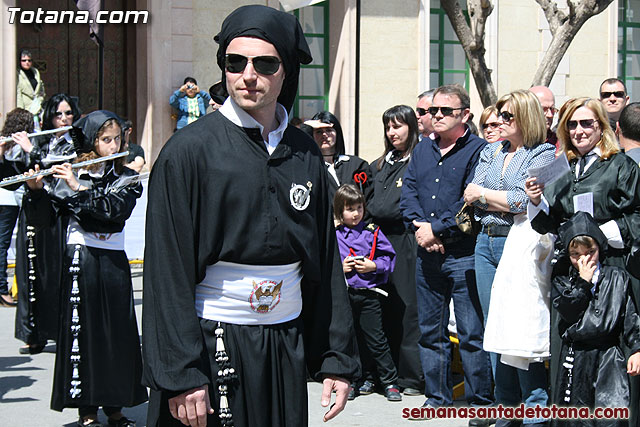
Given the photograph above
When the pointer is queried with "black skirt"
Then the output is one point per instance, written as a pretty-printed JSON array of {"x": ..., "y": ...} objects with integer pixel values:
[
  {"x": 45, "y": 308},
  {"x": 105, "y": 368},
  {"x": 270, "y": 388}
]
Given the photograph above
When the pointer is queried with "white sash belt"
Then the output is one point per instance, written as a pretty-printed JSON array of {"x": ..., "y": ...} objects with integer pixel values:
[
  {"x": 245, "y": 294},
  {"x": 77, "y": 236}
]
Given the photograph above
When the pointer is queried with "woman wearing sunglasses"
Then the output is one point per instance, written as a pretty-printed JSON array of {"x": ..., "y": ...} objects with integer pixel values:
[
  {"x": 600, "y": 174},
  {"x": 30, "y": 88},
  {"x": 497, "y": 193},
  {"x": 342, "y": 168},
  {"x": 490, "y": 125},
  {"x": 38, "y": 292}
]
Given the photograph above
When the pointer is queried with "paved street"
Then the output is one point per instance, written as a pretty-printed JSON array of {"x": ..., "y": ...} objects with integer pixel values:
[{"x": 25, "y": 390}]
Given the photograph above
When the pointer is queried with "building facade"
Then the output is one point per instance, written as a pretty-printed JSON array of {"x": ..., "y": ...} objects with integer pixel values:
[{"x": 368, "y": 56}]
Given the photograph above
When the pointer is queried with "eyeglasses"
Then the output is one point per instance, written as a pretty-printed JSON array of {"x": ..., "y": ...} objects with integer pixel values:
[
  {"x": 493, "y": 125},
  {"x": 584, "y": 124},
  {"x": 617, "y": 94},
  {"x": 422, "y": 111},
  {"x": 266, "y": 65},
  {"x": 25, "y": 60},
  {"x": 505, "y": 116},
  {"x": 66, "y": 113},
  {"x": 551, "y": 110},
  {"x": 446, "y": 111}
]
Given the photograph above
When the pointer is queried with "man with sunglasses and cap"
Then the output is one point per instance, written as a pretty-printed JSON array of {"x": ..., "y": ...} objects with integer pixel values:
[
  {"x": 613, "y": 95},
  {"x": 440, "y": 169},
  {"x": 244, "y": 291}
]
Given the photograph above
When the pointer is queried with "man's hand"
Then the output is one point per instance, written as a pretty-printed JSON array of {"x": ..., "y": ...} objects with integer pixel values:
[
  {"x": 192, "y": 407},
  {"x": 633, "y": 365},
  {"x": 341, "y": 387},
  {"x": 426, "y": 238}
]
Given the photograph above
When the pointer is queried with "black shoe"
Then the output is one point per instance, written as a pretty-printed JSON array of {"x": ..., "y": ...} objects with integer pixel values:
[
  {"x": 122, "y": 422},
  {"x": 32, "y": 348},
  {"x": 423, "y": 413},
  {"x": 392, "y": 393},
  {"x": 94, "y": 423},
  {"x": 410, "y": 391},
  {"x": 353, "y": 392},
  {"x": 367, "y": 387}
]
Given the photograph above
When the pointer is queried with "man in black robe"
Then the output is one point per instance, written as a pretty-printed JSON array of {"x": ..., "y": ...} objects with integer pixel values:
[{"x": 243, "y": 285}]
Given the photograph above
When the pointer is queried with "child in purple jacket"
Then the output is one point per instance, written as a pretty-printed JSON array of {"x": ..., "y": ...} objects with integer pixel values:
[{"x": 368, "y": 258}]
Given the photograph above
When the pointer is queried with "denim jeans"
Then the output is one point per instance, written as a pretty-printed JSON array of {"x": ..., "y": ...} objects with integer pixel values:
[
  {"x": 512, "y": 385},
  {"x": 8, "y": 217},
  {"x": 440, "y": 277}
]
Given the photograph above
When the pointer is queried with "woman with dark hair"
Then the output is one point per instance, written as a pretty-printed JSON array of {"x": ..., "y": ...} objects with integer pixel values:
[
  {"x": 98, "y": 359},
  {"x": 400, "y": 314},
  {"x": 190, "y": 102},
  {"x": 39, "y": 252},
  {"x": 326, "y": 131}
]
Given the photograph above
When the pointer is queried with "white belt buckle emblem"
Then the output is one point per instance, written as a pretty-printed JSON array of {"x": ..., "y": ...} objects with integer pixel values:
[
  {"x": 265, "y": 296},
  {"x": 299, "y": 196}
]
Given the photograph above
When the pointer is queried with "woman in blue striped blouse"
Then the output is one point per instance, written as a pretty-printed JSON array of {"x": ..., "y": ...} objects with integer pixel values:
[{"x": 498, "y": 193}]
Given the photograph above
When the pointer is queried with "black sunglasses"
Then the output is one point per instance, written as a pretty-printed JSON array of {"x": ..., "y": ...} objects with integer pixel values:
[
  {"x": 617, "y": 94},
  {"x": 493, "y": 125},
  {"x": 421, "y": 111},
  {"x": 584, "y": 124},
  {"x": 266, "y": 65},
  {"x": 505, "y": 116},
  {"x": 446, "y": 111}
]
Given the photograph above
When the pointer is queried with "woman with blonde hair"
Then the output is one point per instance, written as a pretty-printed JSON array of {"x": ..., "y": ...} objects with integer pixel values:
[
  {"x": 489, "y": 124},
  {"x": 497, "y": 192},
  {"x": 602, "y": 180}
]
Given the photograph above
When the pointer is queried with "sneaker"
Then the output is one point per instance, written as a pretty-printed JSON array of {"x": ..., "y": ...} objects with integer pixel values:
[
  {"x": 392, "y": 393},
  {"x": 353, "y": 392},
  {"x": 367, "y": 387}
]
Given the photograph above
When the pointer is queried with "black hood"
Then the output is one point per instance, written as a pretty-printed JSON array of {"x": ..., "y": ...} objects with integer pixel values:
[
  {"x": 86, "y": 129},
  {"x": 582, "y": 224},
  {"x": 280, "y": 29}
]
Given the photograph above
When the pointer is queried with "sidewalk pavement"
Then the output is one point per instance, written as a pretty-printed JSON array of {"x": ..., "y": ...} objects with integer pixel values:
[{"x": 25, "y": 390}]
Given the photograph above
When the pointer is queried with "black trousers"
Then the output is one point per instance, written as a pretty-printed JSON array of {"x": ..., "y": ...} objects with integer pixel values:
[
  {"x": 367, "y": 319},
  {"x": 400, "y": 312}
]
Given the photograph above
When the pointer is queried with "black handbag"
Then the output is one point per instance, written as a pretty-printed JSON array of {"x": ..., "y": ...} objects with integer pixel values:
[{"x": 466, "y": 220}]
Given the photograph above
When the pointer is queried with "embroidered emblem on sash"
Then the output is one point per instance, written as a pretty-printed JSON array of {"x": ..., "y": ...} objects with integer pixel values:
[
  {"x": 265, "y": 296},
  {"x": 299, "y": 196}
]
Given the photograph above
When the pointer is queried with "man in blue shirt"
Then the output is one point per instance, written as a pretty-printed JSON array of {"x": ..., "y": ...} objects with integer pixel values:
[{"x": 432, "y": 191}]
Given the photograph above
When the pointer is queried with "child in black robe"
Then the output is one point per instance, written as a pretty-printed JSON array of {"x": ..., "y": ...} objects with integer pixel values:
[
  {"x": 98, "y": 359},
  {"x": 596, "y": 314}
]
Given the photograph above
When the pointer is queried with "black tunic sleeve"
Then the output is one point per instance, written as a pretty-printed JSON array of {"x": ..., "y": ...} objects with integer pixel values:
[
  {"x": 330, "y": 346},
  {"x": 38, "y": 209},
  {"x": 171, "y": 337},
  {"x": 570, "y": 297}
]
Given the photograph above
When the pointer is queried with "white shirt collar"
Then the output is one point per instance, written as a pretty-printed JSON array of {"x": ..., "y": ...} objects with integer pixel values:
[
  {"x": 239, "y": 117},
  {"x": 389, "y": 157}
]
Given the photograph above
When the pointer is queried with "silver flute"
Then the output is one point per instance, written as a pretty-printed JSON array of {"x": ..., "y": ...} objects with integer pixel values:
[
  {"x": 44, "y": 132},
  {"x": 22, "y": 178}
]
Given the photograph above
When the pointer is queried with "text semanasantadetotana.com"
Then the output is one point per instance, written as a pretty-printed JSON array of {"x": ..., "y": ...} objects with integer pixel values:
[
  {"x": 41, "y": 16},
  {"x": 518, "y": 412}
]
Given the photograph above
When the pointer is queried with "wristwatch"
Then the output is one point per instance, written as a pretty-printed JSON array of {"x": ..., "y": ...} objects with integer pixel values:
[{"x": 483, "y": 199}]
